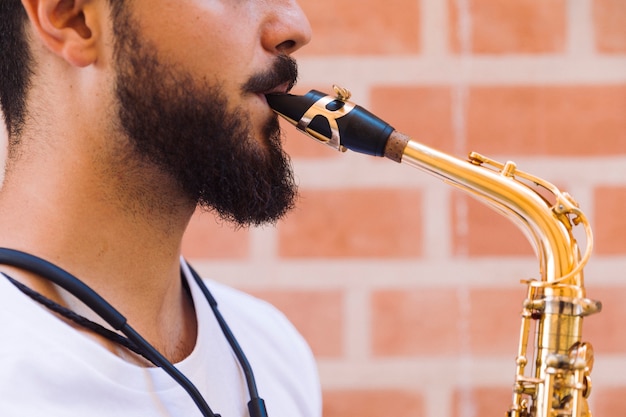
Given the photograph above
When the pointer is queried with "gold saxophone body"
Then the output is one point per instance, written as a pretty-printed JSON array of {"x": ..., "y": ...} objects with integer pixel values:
[{"x": 559, "y": 382}]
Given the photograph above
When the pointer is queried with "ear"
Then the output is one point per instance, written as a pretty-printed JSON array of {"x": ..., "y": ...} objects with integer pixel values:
[{"x": 66, "y": 27}]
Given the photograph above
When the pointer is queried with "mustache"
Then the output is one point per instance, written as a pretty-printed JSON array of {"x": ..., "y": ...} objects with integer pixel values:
[{"x": 283, "y": 71}]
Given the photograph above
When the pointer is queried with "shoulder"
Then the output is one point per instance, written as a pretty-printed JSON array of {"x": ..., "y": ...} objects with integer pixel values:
[
  {"x": 252, "y": 313},
  {"x": 282, "y": 360},
  {"x": 254, "y": 319}
]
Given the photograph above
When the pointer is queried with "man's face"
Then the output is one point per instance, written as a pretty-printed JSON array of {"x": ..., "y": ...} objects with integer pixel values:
[{"x": 198, "y": 111}]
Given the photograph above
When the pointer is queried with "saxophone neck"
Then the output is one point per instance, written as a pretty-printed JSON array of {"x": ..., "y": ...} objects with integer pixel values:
[
  {"x": 556, "y": 304},
  {"x": 336, "y": 122}
]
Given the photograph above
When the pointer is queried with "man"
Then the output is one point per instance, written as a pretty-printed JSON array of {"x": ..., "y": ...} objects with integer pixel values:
[{"x": 123, "y": 117}]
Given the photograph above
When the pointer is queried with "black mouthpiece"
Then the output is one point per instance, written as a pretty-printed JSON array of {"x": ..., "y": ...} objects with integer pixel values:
[{"x": 332, "y": 120}]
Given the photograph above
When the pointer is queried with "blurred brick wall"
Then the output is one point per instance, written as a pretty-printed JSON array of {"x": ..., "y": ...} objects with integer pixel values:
[{"x": 408, "y": 291}]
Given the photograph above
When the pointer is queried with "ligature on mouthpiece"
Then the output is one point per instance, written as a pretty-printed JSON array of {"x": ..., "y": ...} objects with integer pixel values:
[{"x": 334, "y": 121}]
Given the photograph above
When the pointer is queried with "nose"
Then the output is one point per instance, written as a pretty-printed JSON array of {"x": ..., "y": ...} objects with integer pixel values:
[{"x": 287, "y": 28}]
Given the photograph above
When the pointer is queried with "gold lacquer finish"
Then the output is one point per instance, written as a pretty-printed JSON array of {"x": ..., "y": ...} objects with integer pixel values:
[{"x": 553, "y": 364}]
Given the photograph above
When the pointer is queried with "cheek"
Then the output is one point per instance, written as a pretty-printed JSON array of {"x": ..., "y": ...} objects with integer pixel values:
[{"x": 208, "y": 36}]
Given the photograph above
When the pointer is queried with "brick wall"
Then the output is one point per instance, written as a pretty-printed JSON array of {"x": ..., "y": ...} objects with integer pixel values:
[{"x": 407, "y": 291}]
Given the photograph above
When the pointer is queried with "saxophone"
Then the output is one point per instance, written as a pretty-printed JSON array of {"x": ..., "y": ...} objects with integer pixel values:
[{"x": 559, "y": 382}]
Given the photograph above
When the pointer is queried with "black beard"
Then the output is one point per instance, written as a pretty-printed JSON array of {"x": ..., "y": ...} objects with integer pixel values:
[{"x": 184, "y": 127}]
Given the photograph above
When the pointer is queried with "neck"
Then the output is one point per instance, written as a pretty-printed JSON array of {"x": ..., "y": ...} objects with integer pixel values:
[{"x": 111, "y": 228}]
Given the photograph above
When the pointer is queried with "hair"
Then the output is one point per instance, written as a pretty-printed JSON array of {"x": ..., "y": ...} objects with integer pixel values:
[{"x": 17, "y": 64}]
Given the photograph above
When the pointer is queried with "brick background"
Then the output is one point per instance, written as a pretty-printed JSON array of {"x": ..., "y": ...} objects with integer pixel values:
[
  {"x": 481, "y": 401},
  {"x": 347, "y": 27},
  {"x": 514, "y": 26},
  {"x": 406, "y": 288},
  {"x": 360, "y": 226},
  {"x": 609, "y": 21},
  {"x": 610, "y": 224},
  {"x": 398, "y": 403}
]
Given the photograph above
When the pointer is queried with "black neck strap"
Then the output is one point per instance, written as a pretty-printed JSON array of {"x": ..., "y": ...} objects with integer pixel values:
[{"x": 133, "y": 340}]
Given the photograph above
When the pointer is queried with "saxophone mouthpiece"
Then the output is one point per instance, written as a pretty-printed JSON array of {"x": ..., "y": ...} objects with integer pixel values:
[{"x": 334, "y": 121}]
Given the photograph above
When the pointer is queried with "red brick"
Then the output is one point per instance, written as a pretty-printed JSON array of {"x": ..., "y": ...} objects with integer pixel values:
[
  {"x": 427, "y": 321},
  {"x": 380, "y": 223},
  {"x": 550, "y": 120},
  {"x": 605, "y": 330},
  {"x": 363, "y": 27},
  {"x": 207, "y": 237},
  {"x": 609, "y": 18},
  {"x": 483, "y": 401},
  {"x": 608, "y": 401},
  {"x": 415, "y": 322},
  {"x": 318, "y": 316},
  {"x": 512, "y": 26},
  {"x": 373, "y": 403},
  {"x": 609, "y": 222},
  {"x": 424, "y": 113},
  {"x": 510, "y": 120},
  {"x": 495, "y": 319},
  {"x": 482, "y": 231}
]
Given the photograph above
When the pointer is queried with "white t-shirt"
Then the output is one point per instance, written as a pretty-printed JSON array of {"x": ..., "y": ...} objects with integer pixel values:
[{"x": 49, "y": 369}]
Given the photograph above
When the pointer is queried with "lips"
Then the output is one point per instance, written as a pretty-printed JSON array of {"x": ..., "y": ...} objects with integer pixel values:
[
  {"x": 283, "y": 88},
  {"x": 278, "y": 79},
  {"x": 279, "y": 89}
]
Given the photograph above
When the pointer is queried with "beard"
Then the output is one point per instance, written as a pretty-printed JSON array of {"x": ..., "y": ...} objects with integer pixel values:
[{"x": 184, "y": 127}]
